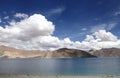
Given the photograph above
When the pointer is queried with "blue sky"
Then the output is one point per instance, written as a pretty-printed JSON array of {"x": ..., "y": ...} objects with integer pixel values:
[{"x": 72, "y": 18}]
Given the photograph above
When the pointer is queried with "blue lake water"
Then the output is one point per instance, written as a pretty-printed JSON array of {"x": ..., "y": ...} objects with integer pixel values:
[{"x": 71, "y": 66}]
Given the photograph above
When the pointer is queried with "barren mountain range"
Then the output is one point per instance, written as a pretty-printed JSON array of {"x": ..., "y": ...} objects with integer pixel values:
[
  {"x": 9, "y": 52},
  {"x": 107, "y": 52}
]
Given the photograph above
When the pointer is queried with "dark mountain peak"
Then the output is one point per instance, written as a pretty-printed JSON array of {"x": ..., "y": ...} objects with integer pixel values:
[
  {"x": 62, "y": 49},
  {"x": 73, "y": 53},
  {"x": 68, "y": 49}
]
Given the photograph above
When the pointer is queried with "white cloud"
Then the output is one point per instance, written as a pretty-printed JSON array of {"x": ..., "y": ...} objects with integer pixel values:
[
  {"x": 6, "y": 17},
  {"x": 26, "y": 30},
  {"x": 89, "y": 38},
  {"x": 98, "y": 27},
  {"x": 108, "y": 26},
  {"x": 35, "y": 32},
  {"x": 102, "y": 39},
  {"x": 116, "y": 13},
  {"x": 102, "y": 35},
  {"x": 84, "y": 29},
  {"x": 21, "y": 15},
  {"x": 54, "y": 11},
  {"x": 0, "y": 20}
]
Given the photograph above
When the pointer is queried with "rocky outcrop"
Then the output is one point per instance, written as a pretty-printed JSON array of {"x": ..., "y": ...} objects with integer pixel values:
[{"x": 108, "y": 52}]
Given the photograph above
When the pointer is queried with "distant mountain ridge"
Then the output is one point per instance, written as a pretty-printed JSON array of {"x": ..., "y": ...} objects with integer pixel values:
[
  {"x": 107, "y": 52},
  {"x": 9, "y": 52}
]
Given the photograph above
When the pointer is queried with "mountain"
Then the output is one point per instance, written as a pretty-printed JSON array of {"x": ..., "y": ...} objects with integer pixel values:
[
  {"x": 9, "y": 52},
  {"x": 74, "y": 53},
  {"x": 107, "y": 52}
]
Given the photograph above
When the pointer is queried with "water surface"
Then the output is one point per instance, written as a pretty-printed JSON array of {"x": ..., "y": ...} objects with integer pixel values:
[{"x": 67, "y": 66}]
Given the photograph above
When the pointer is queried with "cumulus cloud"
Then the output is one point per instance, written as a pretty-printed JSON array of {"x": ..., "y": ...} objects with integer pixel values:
[
  {"x": 36, "y": 26},
  {"x": 102, "y": 39},
  {"x": 36, "y": 32},
  {"x": 102, "y": 35},
  {"x": 21, "y": 15}
]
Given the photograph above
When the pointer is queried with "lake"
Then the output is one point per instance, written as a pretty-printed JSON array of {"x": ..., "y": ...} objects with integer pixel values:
[{"x": 65, "y": 66}]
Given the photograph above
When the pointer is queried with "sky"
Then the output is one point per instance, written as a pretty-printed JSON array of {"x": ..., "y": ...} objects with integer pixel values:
[{"x": 53, "y": 24}]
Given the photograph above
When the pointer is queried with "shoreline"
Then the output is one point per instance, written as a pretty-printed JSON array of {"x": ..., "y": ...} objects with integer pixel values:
[{"x": 54, "y": 76}]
